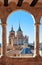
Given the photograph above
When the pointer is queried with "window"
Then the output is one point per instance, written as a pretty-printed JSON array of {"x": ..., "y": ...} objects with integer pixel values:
[
  {"x": 40, "y": 45},
  {"x": 20, "y": 35},
  {"x": 0, "y": 39}
]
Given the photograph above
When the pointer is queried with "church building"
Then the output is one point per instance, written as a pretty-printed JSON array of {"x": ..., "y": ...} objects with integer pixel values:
[
  {"x": 18, "y": 44},
  {"x": 18, "y": 38}
]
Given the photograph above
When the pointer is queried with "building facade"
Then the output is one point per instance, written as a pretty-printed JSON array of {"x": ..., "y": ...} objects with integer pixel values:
[{"x": 18, "y": 39}]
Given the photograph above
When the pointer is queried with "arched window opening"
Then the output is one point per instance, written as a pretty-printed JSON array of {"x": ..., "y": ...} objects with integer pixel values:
[
  {"x": 40, "y": 43},
  {"x": 0, "y": 39},
  {"x": 20, "y": 35}
]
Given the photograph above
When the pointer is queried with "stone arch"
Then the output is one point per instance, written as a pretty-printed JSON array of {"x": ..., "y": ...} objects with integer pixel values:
[
  {"x": 22, "y": 10},
  {"x": 7, "y": 11},
  {"x": 33, "y": 22},
  {"x": 12, "y": 7}
]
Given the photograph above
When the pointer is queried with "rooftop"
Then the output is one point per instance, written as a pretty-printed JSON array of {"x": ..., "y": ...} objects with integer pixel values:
[{"x": 26, "y": 51}]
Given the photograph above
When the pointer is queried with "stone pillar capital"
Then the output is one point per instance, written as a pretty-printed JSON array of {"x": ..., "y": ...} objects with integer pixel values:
[
  {"x": 3, "y": 24},
  {"x": 37, "y": 24},
  {"x": 4, "y": 20}
]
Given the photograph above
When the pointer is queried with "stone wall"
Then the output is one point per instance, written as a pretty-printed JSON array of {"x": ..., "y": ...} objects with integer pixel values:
[{"x": 4, "y": 13}]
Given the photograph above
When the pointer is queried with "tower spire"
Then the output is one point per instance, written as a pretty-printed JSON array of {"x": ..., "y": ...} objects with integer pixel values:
[
  {"x": 19, "y": 24},
  {"x": 19, "y": 29},
  {"x": 12, "y": 29}
]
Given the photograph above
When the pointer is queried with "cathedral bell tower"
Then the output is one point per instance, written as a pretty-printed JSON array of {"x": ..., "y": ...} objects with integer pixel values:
[
  {"x": 19, "y": 33},
  {"x": 19, "y": 36},
  {"x": 11, "y": 36}
]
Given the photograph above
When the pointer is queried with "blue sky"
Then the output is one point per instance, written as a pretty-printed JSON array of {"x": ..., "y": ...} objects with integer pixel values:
[
  {"x": 40, "y": 34},
  {"x": 26, "y": 23}
]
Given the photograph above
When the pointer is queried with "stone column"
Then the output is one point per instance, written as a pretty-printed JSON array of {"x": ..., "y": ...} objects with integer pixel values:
[
  {"x": 3, "y": 37},
  {"x": 37, "y": 24}
]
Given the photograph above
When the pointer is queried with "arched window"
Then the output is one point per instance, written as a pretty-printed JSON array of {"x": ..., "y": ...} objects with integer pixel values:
[
  {"x": 20, "y": 35},
  {"x": 0, "y": 39},
  {"x": 40, "y": 47}
]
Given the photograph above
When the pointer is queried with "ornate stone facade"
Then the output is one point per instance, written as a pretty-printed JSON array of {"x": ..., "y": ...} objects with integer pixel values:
[
  {"x": 17, "y": 39},
  {"x": 18, "y": 42}
]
